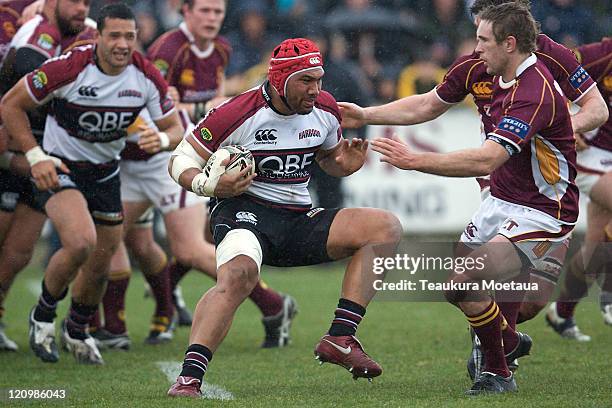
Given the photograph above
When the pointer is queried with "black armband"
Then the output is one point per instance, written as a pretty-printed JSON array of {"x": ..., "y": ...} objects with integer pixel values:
[{"x": 510, "y": 147}]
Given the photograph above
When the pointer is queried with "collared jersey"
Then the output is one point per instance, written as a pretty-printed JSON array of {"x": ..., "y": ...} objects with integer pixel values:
[
  {"x": 195, "y": 73},
  {"x": 284, "y": 146},
  {"x": 468, "y": 75},
  {"x": 597, "y": 60},
  {"x": 89, "y": 111},
  {"x": 533, "y": 121}
]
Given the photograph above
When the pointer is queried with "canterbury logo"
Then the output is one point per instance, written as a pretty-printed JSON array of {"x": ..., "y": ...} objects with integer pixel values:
[
  {"x": 89, "y": 91},
  {"x": 265, "y": 135},
  {"x": 314, "y": 60},
  {"x": 343, "y": 350},
  {"x": 482, "y": 89},
  {"x": 246, "y": 216}
]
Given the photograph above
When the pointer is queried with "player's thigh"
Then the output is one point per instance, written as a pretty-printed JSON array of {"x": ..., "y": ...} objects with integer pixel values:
[
  {"x": 6, "y": 219},
  {"x": 25, "y": 229},
  {"x": 108, "y": 239},
  {"x": 11, "y": 189},
  {"x": 497, "y": 259},
  {"x": 598, "y": 218},
  {"x": 120, "y": 260},
  {"x": 69, "y": 213},
  {"x": 601, "y": 192},
  {"x": 185, "y": 227},
  {"x": 140, "y": 241},
  {"x": 353, "y": 228},
  {"x": 132, "y": 211},
  {"x": 541, "y": 294}
]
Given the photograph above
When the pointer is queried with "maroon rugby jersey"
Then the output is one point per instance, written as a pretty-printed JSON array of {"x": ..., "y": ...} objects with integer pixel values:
[
  {"x": 196, "y": 74},
  {"x": 597, "y": 60},
  {"x": 9, "y": 15},
  {"x": 533, "y": 123},
  {"x": 468, "y": 75}
]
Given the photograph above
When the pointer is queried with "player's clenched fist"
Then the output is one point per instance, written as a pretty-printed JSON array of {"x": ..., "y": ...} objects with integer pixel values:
[{"x": 152, "y": 141}]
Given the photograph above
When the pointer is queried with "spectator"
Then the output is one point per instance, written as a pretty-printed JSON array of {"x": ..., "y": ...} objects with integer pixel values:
[
  {"x": 423, "y": 74},
  {"x": 251, "y": 40},
  {"x": 346, "y": 83},
  {"x": 566, "y": 21}
]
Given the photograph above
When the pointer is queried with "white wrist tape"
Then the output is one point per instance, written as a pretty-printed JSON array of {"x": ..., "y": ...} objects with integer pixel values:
[
  {"x": 205, "y": 185},
  {"x": 36, "y": 155},
  {"x": 5, "y": 160},
  {"x": 198, "y": 184},
  {"x": 164, "y": 140}
]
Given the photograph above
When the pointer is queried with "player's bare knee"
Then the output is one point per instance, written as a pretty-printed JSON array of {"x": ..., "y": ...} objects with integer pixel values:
[
  {"x": 529, "y": 310},
  {"x": 453, "y": 296},
  {"x": 239, "y": 256},
  {"x": 184, "y": 255},
  {"x": 388, "y": 229},
  {"x": 79, "y": 246},
  {"x": 392, "y": 228},
  {"x": 239, "y": 276},
  {"x": 21, "y": 260},
  {"x": 139, "y": 249}
]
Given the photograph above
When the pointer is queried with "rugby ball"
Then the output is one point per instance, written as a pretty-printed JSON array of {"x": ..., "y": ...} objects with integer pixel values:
[{"x": 239, "y": 159}]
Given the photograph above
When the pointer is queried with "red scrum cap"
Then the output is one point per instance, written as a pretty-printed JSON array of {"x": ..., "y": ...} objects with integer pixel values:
[{"x": 291, "y": 57}]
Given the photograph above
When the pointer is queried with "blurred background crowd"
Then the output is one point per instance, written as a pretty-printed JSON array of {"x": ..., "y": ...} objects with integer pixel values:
[{"x": 377, "y": 50}]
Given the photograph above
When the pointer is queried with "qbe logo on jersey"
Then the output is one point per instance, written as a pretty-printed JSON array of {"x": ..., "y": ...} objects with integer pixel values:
[
  {"x": 292, "y": 166},
  {"x": 245, "y": 216}
]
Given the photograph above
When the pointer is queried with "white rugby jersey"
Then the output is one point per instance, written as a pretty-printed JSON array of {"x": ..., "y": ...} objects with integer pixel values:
[
  {"x": 89, "y": 111},
  {"x": 284, "y": 147}
]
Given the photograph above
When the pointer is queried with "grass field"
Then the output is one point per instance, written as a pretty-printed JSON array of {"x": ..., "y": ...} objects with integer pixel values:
[{"x": 421, "y": 346}]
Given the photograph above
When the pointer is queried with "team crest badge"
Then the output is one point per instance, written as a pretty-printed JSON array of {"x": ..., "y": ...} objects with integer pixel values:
[
  {"x": 162, "y": 66},
  {"x": 206, "y": 135},
  {"x": 9, "y": 28},
  {"x": 187, "y": 77},
  {"x": 607, "y": 82},
  {"x": 45, "y": 41},
  {"x": 40, "y": 80}
]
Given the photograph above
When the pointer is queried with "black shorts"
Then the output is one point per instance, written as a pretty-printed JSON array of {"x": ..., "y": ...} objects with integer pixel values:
[
  {"x": 100, "y": 185},
  {"x": 16, "y": 189},
  {"x": 287, "y": 237}
]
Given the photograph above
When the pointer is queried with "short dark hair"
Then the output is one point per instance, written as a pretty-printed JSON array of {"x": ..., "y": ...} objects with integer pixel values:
[
  {"x": 480, "y": 5},
  {"x": 513, "y": 19},
  {"x": 114, "y": 10},
  {"x": 189, "y": 3}
]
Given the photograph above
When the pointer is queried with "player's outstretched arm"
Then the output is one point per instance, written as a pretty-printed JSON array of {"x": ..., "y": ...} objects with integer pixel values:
[
  {"x": 344, "y": 159},
  {"x": 15, "y": 105},
  {"x": 406, "y": 111},
  {"x": 593, "y": 112},
  {"x": 462, "y": 163}
]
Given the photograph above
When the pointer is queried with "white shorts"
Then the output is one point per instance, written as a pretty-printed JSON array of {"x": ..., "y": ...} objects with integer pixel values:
[
  {"x": 541, "y": 238},
  {"x": 592, "y": 163},
  {"x": 148, "y": 180}
]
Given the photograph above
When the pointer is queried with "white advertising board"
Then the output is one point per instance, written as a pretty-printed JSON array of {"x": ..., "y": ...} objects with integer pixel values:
[{"x": 424, "y": 203}]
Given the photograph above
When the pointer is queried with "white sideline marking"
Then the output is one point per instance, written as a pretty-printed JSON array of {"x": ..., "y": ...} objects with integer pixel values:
[
  {"x": 34, "y": 287},
  {"x": 172, "y": 369}
]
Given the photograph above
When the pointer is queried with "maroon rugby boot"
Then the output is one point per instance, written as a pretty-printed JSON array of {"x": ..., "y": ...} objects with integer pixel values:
[
  {"x": 186, "y": 387},
  {"x": 347, "y": 351}
]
